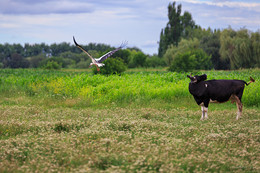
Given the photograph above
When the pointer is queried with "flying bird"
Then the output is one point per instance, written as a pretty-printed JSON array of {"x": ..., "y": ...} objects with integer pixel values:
[{"x": 98, "y": 61}]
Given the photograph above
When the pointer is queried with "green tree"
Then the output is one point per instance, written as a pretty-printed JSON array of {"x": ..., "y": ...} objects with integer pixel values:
[
  {"x": 52, "y": 65},
  {"x": 18, "y": 48},
  {"x": 188, "y": 25},
  {"x": 112, "y": 66},
  {"x": 172, "y": 32},
  {"x": 242, "y": 52},
  {"x": 170, "y": 54},
  {"x": 54, "y": 49},
  {"x": 177, "y": 27},
  {"x": 211, "y": 45},
  {"x": 16, "y": 61},
  {"x": 184, "y": 46},
  {"x": 8, "y": 50},
  {"x": 124, "y": 54},
  {"x": 191, "y": 60},
  {"x": 239, "y": 48},
  {"x": 58, "y": 60},
  {"x": 35, "y": 61},
  {"x": 137, "y": 59},
  {"x": 155, "y": 61},
  {"x": 227, "y": 47},
  {"x": 255, "y": 42}
]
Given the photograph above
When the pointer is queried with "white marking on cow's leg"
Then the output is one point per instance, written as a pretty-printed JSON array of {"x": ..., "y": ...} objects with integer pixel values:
[
  {"x": 202, "y": 116},
  {"x": 206, "y": 112},
  {"x": 239, "y": 107},
  {"x": 238, "y": 115},
  {"x": 239, "y": 110}
]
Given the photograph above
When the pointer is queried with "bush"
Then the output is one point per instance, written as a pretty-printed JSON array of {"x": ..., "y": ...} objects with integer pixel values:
[
  {"x": 155, "y": 61},
  {"x": 112, "y": 66},
  {"x": 137, "y": 59},
  {"x": 191, "y": 60},
  {"x": 52, "y": 65}
]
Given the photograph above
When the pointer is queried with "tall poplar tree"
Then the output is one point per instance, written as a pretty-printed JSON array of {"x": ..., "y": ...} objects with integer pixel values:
[
  {"x": 177, "y": 27},
  {"x": 172, "y": 32}
]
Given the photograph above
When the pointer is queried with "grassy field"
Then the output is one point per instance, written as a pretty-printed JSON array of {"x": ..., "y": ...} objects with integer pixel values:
[{"x": 141, "y": 121}]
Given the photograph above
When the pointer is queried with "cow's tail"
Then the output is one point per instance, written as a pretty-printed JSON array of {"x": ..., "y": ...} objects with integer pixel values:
[{"x": 251, "y": 80}]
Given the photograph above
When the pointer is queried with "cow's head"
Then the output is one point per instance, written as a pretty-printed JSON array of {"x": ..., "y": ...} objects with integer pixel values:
[{"x": 196, "y": 78}]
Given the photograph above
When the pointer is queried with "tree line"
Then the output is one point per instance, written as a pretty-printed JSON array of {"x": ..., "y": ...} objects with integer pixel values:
[
  {"x": 186, "y": 46},
  {"x": 65, "y": 55}
]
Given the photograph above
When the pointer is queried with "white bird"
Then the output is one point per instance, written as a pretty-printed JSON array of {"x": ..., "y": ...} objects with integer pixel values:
[{"x": 97, "y": 62}]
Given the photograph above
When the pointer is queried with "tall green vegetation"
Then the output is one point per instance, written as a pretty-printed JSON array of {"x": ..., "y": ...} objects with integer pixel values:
[
  {"x": 240, "y": 48},
  {"x": 211, "y": 45},
  {"x": 184, "y": 46},
  {"x": 191, "y": 60},
  {"x": 69, "y": 56},
  {"x": 112, "y": 66},
  {"x": 255, "y": 43},
  {"x": 178, "y": 26},
  {"x": 228, "y": 49},
  {"x": 125, "y": 88},
  {"x": 137, "y": 59},
  {"x": 180, "y": 42}
]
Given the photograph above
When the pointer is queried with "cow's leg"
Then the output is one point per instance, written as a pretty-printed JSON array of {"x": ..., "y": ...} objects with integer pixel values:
[
  {"x": 239, "y": 107},
  {"x": 203, "y": 113},
  {"x": 201, "y": 103},
  {"x": 206, "y": 104},
  {"x": 206, "y": 112}
]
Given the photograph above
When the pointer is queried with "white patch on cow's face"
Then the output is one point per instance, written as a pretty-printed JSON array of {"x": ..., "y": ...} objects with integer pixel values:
[
  {"x": 206, "y": 85},
  {"x": 194, "y": 79}
]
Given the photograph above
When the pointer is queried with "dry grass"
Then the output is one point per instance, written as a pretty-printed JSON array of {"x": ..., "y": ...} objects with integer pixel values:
[{"x": 35, "y": 138}]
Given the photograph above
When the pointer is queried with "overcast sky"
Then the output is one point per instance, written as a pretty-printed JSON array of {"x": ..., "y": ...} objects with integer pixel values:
[{"x": 114, "y": 21}]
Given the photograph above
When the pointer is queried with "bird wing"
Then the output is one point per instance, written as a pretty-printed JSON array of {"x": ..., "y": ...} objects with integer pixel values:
[
  {"x": 104, "y": 57},
  {"x": 93, "y": 60}
]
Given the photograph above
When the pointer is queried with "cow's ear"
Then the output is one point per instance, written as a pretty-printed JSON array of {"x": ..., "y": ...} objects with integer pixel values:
[
  {"x": 188, "y": 76},
  {"x": 204, "y": 77}
]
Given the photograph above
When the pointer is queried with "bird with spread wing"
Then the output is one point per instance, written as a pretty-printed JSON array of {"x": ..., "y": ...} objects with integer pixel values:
[{"x": 98, "y": 61}]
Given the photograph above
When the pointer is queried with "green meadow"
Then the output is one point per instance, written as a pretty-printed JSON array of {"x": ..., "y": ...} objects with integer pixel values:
[{"x": 139, "y": 121}]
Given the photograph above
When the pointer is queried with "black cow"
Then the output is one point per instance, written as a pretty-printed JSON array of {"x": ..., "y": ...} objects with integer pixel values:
[{"x": 218, "y": 91}]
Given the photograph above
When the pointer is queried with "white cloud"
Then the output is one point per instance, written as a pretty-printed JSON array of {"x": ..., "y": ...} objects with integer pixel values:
[
  {"x": 44, "y": 7},
  {"x": 221, "y": 14},
  {"x": 226, "y": 3}
]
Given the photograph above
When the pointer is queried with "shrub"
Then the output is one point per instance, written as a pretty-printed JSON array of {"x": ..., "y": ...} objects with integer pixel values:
[
  {"x": 52, "y": 65},
  {"x": 155, "y": 61},
  {"x": 191, "y": 60},
  {"x": 112, "y": 66},
  {"x": 137, "y": 59}
]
